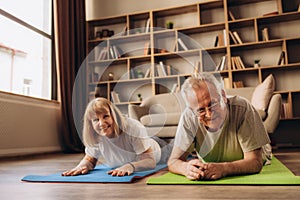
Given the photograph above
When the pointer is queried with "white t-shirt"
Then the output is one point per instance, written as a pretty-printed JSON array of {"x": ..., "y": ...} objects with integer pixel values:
[
  {"x": 125, "y": 148},
  {"x": 241, "y": 132}
]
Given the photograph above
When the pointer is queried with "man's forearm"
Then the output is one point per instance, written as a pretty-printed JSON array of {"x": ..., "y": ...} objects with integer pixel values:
[{"x": 242, "y": 167}]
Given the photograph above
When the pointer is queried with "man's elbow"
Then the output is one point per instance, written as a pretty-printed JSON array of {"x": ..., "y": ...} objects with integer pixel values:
[{"x": 258, "y": 165}]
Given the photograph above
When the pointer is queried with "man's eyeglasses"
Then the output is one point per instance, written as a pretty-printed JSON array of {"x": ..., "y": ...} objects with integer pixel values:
[{"x": 202, "y": 111}]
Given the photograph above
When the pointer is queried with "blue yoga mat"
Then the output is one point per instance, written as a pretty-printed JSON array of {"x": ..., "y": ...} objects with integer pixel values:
[{"x": 98, "y": 175}]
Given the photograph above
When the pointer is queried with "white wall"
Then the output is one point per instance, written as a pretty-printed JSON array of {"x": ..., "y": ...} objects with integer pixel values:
[
  {"x": 28, "y": 125},
  {"x": 96, "y": 9}
]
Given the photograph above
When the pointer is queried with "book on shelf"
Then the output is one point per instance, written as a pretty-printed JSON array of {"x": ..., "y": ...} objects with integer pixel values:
[
  {"x": 162, "y": 67},
  {"x": 115, "y": 97},
  {"x": 238, "y": 84},
  {"x": 169, "y": 70},
  {"x": 103, "y": 54},
  {"x": 183, "y": 46},
  {"x": 147, "y": 27},
  {"x": 281, "y": 60},
  {"x": 271, "y": 13},
  {"x": 174, "y": 88},
  {"x": 148, "y": 73},
  {"x": 226, "y": 82},
  {"x": 95, "y": 77},
  {"x": 174, "y": 46},
  {"x": 233, "y": 38},
  {"x": 196, "y": 68},
  {"x": 160, "y": 70},
  {"x": 233, "y": 67},
  {"x": 132, "y": 74},
  {"x": 237, "y": 63},
  {"x": 236, "y": 35},
  {"x": 286, "y": 111},
  {"x": 216, "y": 43},
  {"x": 147, "y": 49},
  {"x": 124, "y": 32},
  {"x": 231, "y": 16},
  {"x": 112, "y": 53},
  {"x": 222, "y": 64},
  {"x": 220, "y": 39},
  {"x": 240, "y": 61},
  {"x": 225, "y": 37},
  {"x": 117, "y": 51},
  {"x": 265, "y": 34}
]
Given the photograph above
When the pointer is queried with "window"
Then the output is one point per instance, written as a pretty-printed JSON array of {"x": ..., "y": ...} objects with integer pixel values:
[{"x": 26, "y": 47}]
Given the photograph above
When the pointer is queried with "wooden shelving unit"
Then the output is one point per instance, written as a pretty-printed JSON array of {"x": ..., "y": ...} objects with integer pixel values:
[{"x": 141, "y": 49}]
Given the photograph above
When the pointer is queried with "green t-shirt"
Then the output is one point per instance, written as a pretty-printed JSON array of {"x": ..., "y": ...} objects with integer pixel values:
[{"x": 242, "y": 131}]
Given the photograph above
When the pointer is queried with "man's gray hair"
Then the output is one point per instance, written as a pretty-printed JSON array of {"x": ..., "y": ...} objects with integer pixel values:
[{"x": 196, "y": 80}]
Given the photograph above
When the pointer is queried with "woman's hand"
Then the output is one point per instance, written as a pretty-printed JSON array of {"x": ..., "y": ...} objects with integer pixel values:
[
  {"x": 87, "y": 163},
  {"x": 126, "y": 169},
  {"x": 76, "y": 171}
]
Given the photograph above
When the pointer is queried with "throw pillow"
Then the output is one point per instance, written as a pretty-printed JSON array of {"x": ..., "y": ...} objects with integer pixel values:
[{"x": 263, "y": 93}]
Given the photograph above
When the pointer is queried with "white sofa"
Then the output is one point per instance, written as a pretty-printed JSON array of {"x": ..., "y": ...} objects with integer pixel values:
[{"x": 160, "y": 113}]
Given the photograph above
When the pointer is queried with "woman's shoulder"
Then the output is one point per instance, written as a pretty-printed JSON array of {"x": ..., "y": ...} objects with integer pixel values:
[
  {"x": 133, "y": 122},
  {"x": 134, "y": 127}
]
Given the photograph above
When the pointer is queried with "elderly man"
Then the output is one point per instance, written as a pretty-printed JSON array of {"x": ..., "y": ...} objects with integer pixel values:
[{"x": 227, "y": 133}]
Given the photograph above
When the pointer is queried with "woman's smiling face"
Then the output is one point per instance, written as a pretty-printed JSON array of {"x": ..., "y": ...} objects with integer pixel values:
[{"x": 103, "y": 123}]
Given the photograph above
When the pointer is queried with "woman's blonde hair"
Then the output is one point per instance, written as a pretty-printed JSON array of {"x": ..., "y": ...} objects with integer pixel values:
[{"x": 97, "y": 106}]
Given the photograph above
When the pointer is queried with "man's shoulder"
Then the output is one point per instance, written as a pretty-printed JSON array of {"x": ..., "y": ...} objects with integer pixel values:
[{"x": 238, "y": 101}]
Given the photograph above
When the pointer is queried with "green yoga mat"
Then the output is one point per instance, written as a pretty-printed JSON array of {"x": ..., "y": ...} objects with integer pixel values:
[{"x": 274, "y": 174}]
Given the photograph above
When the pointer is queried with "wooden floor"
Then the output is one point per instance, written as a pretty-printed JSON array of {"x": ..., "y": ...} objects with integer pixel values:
[{"x": 12, "y": 188}]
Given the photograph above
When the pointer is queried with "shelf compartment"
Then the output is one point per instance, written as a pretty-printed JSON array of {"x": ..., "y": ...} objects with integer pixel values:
[
  {"x": 166, "y": 85},
  {"x": 178, "y": 15},
  {"x": 262, "y": 51},
  {"x": 248, "y": 77},
  {"x": 280, "y": 26},
  {"x": 282, "y": 82},
  {"x": 211, "y": 59},
  {"x": 245, "y": 29},
  {"x": 165, "y": 42},
  {"x": 211, "y": 12},
  {"x": 128, "y": 90},
  {"x": 290, "y": 5},
  {"x": 203, "y": 36},
  {"x": 131, "y": 46},
  {"x": 115, "y": 24},
  {"x": 293, "y": 49},
  {"x": 296, "y": 104},
  {"x": 181, "y": 63},
  {"x": 117, "y": 68},
  {"x": 139, "y": 67},
  {"x": 99, "y": 90},
  {"x": 242, "y": 9},
  {"x": 138, "y": 22}
]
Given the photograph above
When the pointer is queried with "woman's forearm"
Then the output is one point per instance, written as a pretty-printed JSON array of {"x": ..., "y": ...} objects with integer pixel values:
[{"x": 144, "y": 164}]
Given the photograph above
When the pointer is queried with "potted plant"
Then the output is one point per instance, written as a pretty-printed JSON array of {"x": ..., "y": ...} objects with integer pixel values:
[
  {"x": 169, "y": 25},
  {"x": 256, "y": 63},
  {"x": 139, "y": 97},
  {"x": 139, "y": 74}
]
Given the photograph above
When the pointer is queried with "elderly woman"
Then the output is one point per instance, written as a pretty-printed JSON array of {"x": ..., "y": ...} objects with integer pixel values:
[{"x": 121, "y": 143}]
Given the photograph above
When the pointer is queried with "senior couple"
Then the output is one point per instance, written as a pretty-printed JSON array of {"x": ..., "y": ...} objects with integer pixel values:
[{"x": 227, "y": 134}]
